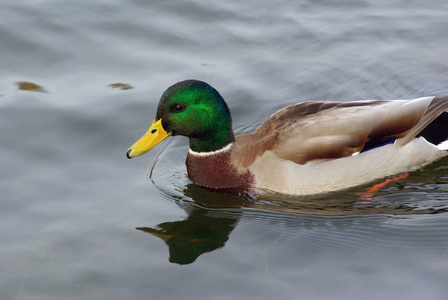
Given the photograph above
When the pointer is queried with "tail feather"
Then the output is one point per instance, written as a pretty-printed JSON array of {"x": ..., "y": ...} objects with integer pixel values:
[
  {"x": 437, "y": 131},
  {"x": 434, "y": 111},
  {"x": 443, "y": 145}
]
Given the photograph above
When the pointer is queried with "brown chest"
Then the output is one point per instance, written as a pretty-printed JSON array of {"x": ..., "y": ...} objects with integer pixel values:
[{"x": 214, "y": 171}]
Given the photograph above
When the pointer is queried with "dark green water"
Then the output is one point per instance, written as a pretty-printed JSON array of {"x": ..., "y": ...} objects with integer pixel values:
[{"x": 78, "y": 220}]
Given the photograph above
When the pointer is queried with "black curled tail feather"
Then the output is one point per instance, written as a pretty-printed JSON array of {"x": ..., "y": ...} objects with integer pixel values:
[{"x": 437, "y": 131}]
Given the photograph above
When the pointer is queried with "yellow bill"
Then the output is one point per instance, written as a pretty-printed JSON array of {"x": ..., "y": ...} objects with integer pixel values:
[{"x": 152, "y": 137}]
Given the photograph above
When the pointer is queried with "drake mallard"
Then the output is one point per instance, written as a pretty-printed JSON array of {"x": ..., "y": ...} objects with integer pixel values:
[{"x": 303, "y": 149}]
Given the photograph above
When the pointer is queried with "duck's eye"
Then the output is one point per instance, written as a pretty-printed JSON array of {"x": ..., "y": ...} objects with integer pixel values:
[{"x": 178, "y": 107}]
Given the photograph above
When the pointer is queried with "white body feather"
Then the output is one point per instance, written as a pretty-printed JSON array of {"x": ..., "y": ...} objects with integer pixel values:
[{"x": 331, "y": 175}]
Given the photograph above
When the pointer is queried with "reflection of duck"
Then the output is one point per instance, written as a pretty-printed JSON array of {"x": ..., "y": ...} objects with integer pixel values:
[
  {"x": 213, "y": 216},
  {"x": 307, "y": 148},
  {"x": 208, "y": 229},
  {"x": 203, "y": 231}
]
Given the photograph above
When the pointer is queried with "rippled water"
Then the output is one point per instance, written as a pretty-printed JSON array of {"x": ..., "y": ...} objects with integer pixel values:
[{"x": 80, "y": 82}]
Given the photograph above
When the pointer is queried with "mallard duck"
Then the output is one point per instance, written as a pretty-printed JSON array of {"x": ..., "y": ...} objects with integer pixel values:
[{"x": 303, "y": 149}]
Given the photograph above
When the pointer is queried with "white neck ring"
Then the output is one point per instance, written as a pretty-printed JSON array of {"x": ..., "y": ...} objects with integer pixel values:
[{"x": 223, "y": 149}]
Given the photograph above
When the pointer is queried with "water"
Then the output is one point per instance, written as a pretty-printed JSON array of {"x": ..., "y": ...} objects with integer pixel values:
[{"x": 71, "y": 201}]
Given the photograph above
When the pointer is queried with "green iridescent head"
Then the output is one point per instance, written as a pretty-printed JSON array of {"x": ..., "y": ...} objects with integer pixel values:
[{"x": 194, "y": 109}]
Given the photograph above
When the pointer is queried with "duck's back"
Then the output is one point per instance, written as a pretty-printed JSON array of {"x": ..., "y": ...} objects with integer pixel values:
[{"x": 313, "y": 147}]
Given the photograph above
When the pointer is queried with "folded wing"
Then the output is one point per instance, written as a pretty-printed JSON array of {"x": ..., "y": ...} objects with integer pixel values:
[{"x": 328, "y": 130}]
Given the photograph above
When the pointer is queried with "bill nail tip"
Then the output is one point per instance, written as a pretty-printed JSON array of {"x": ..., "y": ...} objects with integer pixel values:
[{"x": 127, "y": 153}]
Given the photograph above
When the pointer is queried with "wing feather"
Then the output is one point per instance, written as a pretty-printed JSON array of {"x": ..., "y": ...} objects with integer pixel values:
[{"x": 328, "y": 130}]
